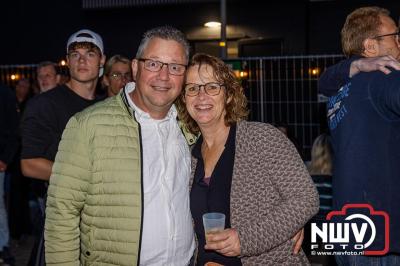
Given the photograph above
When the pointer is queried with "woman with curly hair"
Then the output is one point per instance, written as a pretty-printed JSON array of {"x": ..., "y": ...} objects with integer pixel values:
[{"x": 247, "y": 170}]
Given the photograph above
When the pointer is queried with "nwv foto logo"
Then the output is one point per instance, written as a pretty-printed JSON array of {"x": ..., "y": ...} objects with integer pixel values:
[{"x": 354, "y": 229}]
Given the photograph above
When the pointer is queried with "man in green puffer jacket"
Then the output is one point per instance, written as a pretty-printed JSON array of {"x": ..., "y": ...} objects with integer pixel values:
[{"x": 119, "y": 189}]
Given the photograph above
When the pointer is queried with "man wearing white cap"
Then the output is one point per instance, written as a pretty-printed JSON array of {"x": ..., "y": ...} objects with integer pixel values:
[{"x": 47, "y": 114}]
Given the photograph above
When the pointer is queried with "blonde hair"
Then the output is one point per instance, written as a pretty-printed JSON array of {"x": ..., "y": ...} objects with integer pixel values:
[
  {"x": 361, "y": 24},
  {"x": 321, "y": 156},
  {"x": 116, "y": 59},
  {"x": 236, "y": 108}
]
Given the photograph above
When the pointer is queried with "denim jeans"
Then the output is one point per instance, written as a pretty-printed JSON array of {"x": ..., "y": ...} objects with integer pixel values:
[
  {"x": 388, "y": 260},
  {"x": 4, "y": 233}
]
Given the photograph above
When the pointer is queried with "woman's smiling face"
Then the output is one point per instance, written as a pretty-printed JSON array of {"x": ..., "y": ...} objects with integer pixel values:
[{"x": 205, "y": 109}]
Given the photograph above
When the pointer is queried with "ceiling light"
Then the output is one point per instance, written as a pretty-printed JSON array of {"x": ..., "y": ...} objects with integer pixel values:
[{"x": 213, "y": 24}]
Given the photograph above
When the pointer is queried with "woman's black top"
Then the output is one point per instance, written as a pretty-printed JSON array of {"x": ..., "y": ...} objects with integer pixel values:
[{"x": 213, "y": 197}]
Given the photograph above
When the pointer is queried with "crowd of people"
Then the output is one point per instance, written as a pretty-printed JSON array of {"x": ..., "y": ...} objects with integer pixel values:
[{"x": 124, "y": 158}]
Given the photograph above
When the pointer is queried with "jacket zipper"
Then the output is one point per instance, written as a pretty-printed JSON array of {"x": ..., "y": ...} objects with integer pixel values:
[
  {"x": 141, "y": 194},
  {"x": 125, "y": 101}
]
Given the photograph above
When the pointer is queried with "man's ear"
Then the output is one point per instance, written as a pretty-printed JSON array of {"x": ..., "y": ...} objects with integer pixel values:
[
  {"x": 135, "y": 66},
  {"x": 371, "y": 48},
  {"x": 103, "y": 60}
]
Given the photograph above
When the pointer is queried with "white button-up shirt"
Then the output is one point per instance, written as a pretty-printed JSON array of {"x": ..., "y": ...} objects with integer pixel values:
[{"x": 167, "y": 236}]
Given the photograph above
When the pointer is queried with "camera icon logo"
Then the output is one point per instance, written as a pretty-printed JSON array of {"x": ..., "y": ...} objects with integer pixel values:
[{"x": 354, "y": 228}]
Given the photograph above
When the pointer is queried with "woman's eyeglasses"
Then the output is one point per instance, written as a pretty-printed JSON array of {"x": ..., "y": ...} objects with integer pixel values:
[
  {"x": 120, "y": 76},
  {"x": 211, "y": 88}
]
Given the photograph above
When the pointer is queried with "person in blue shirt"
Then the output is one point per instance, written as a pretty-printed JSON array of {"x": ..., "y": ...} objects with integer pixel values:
[{"x": 364, "y": 121}]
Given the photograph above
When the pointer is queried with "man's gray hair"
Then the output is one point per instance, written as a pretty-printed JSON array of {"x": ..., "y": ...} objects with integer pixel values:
[{"x": 165, "y": 33}]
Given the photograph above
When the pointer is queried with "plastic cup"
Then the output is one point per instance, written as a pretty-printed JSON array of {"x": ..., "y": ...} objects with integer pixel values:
[{"x": 213, "y": 222}]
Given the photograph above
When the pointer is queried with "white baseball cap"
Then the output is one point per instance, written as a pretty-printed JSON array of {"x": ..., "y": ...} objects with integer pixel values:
[{"x": 86, "y": 35}]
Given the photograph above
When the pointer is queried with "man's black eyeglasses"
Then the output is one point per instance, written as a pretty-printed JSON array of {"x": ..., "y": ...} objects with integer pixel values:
[
  {"x": 389, "y": 34},
  {"x": 155, "y": 66}
]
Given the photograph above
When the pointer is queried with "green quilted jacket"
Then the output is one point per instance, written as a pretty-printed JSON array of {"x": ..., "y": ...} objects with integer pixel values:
[{"x": 94, "y": 206}]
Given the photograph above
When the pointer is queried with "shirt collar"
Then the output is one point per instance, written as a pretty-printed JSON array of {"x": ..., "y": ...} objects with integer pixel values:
[{"x": 139, "y": 113}]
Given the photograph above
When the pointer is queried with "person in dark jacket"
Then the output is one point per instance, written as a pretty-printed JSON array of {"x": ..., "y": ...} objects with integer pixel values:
[
  {"x": 8, "y": 147},
  {"x": 364, "y": 120},
  {"x": 8, "y": 127}
]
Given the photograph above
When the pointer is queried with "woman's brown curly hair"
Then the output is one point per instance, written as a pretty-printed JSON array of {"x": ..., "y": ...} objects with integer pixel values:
[{"x": 236, "y": 107}]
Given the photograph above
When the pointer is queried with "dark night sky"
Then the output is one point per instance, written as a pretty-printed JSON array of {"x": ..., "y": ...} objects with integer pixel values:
[{"x": 34, "y": 31}]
